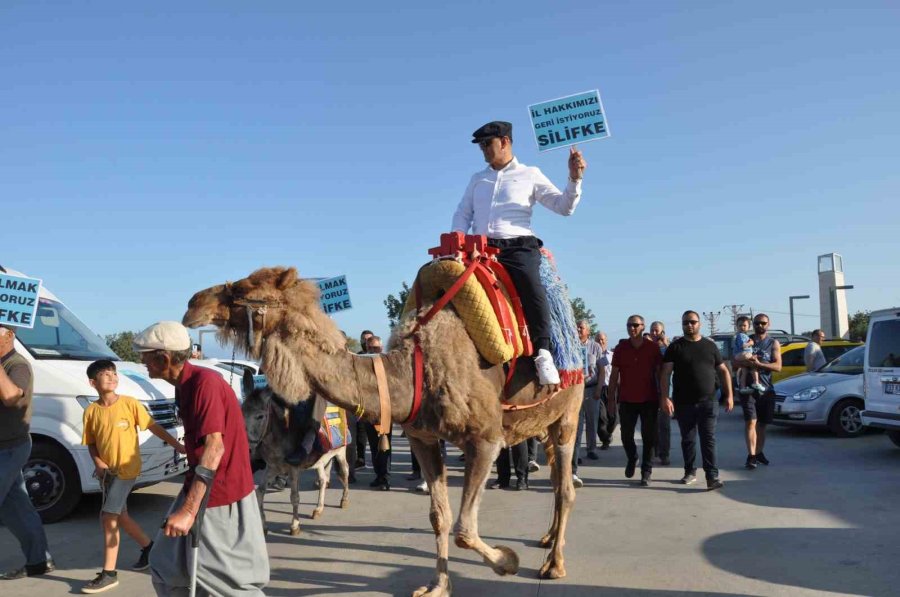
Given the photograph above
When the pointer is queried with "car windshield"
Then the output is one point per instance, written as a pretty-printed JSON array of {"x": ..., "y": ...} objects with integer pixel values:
[
  {"x": 849, "y": 363},
  {"x": 58, "y": 334}
]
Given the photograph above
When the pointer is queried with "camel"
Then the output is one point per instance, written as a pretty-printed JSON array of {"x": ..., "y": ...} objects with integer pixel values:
[
  {"x": 276, "y": 317},
  {"x": 264, "y": 413}
]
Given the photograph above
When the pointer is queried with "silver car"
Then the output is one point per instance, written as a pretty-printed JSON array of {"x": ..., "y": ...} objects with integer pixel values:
[{"x": 831, "y": 397}]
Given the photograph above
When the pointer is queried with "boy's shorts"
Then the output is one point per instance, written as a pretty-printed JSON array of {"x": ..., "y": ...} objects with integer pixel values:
[
  {"x": 115, "y": 494},
  {"x": 743, "y": 356}
]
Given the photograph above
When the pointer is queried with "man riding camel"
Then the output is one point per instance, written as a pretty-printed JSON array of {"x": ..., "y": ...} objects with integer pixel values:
[{"x": 497, "y": 203}]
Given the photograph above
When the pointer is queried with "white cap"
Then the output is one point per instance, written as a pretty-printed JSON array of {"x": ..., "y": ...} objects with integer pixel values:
[{"x": 164, "y": 335}]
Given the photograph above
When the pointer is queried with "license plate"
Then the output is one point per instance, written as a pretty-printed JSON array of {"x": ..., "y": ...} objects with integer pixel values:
[{"x": 892, "y": 388}]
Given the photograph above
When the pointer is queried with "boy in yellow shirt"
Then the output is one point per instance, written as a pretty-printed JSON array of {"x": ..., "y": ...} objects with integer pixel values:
[{"x": 110, "y": 433}]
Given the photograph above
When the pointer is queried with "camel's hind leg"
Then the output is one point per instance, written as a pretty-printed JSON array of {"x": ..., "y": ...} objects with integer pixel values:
[
  {"x": 323, "y": 472},
  {"x": 562, "y": 434},
  {"x": 340, "y": 458},
  {"x": 480, "y": 455},
  {"x": 550, "y": 450},
  {"x": 435, "y": 473},
  {"x": 295, "y": 500}
]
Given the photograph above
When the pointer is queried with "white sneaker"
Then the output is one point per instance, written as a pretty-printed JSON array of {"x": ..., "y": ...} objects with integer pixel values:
[
  {"x": 533, "y": 466},
  {"x": 546, "y": 370},
  {"x": 422, "y": 487},
  {"x": 578, "y": 483}
]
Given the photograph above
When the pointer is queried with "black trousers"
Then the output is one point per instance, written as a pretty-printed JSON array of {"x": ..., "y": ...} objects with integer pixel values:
[
  {"x": 381, "y": 460},
  {"x": 521, "y": 257},
  {"x": 532, "y": 448},
  {"x": 607, "y": 421},
  {"x": 519, "y": 462},
  {"x": 628, "y": 415},
  {"x": 691, "y": 419}
]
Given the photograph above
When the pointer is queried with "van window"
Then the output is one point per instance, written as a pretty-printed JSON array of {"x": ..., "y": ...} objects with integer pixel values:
[
  {"x": 58, "y": 334},
  {"x": 884, "y": 345}
]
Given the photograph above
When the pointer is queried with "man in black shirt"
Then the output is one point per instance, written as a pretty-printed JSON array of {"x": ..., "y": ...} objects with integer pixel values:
[{"x": 695, "y": 361}]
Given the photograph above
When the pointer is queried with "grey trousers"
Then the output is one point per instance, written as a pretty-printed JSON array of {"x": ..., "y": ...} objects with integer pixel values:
[
  {"x": 17, "y": 512},
  {"x": 232, "y": 559}
]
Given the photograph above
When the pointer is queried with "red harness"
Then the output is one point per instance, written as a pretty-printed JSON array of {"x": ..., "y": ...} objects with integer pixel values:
[{"x": 480, "y": 260}]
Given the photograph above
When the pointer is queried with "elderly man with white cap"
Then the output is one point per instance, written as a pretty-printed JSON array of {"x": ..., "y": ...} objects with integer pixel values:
[{"x": 232, "y": 558}]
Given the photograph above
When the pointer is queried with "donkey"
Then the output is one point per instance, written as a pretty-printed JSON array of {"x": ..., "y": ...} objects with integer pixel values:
[{"x": 264, "y": 416}]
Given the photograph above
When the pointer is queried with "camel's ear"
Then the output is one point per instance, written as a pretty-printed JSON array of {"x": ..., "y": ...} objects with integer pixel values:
[{"x": 287, "y": 279}]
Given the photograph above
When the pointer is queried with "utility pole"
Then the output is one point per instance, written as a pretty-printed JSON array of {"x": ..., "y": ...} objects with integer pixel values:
[
  {"x": 735, "y": 312},
  {"x": 711, "y": 318}
]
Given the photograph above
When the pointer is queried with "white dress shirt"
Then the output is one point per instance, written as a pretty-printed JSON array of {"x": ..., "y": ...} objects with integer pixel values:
[{"x": 498, "y": 203}]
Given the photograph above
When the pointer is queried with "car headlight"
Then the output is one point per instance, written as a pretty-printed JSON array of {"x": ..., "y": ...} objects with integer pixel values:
[
  {"x": 85, "y": 401},
  {"x": 808, "y": 394}
]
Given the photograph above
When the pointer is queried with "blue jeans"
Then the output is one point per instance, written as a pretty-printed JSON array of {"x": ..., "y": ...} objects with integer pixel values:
[{"x": 17, "y": 512}]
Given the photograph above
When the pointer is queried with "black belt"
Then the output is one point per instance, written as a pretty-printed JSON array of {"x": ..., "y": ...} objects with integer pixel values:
[{"x": 518, "y": 242}]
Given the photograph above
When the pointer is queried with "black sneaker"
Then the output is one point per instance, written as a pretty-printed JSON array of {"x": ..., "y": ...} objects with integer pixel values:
[
  {"x": 498, "y": 485},
  {"x": 521, "y": 484},
  {"x": 645, "y": 479},
  {"x": 761, "y": 458},
  {"x": 604, "y": 446},
  {"x": 103, "y": 582},
  {"x": 664, "y": 461},
  {"x": 713, "y": 484},
  {"x": 751, "y": 462},
  {"x": 29, "y": 570},
  {"x": 689, "y": 478},
  {"x": 629, "y": 468},
  {"x": 144, "y": 561}
]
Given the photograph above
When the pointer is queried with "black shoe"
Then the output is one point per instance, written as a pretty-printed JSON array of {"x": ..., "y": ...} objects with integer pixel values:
[
  {"x": 414, "y": 477},
  {"x": 499, "y": 485},
  {"x": 593, "y": 456},
  {"x": 604, "y": 446},
  {"x": 103, "y": 582},
  {"x": 689, "y": 478},
  {"x": 144, "y": 561},
  {"x": 360, "y": 463},
  {"x": 751, "y": 462},
  {"x": 378, "y": 482},
  {"x": 385, "y": 485},
  {"x": 645, "y": 479},
  {"x": 629, "y": 468},
  {"x": 29, "y": 570},
  {"x": 664, "y": 461},
  {"x": 761, "y": 458},
  {"x": 713, "y": 484},
  {"x": 578, "y": 461},
  {"x": 521, "y": 484}
]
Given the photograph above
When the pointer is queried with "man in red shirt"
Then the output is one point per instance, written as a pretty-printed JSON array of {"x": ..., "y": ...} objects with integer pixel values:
[
  {"x": 632, "y": 385},
  {"x": 232, "y": 558}
]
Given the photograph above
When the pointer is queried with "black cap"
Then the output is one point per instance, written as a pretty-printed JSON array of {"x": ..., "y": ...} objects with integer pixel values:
[{"x": 497, "y": 128}]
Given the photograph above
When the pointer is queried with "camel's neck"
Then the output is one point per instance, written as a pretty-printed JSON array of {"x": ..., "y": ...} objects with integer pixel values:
[{"x": 348, "y": 380}]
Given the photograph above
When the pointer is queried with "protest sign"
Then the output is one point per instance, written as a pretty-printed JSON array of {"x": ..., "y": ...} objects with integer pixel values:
[
  {"x": 568, "y": 120},
  {"x": 18, "y": 300},
  {"x": 334, "y": 294}
]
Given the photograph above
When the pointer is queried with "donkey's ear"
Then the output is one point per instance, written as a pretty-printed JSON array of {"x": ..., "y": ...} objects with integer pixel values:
[{"x": 287, "y": 279}]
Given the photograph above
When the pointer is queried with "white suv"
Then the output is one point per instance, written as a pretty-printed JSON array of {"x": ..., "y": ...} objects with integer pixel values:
[{"x": 882, "y": 373}]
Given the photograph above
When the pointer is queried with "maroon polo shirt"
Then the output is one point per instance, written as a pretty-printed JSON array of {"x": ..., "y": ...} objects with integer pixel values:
[
  {"x": 637, "y": 371},
  {"x": 207, "y": 404}
]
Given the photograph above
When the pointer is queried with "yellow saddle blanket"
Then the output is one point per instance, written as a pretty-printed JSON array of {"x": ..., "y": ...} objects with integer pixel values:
[{"x": 474, "y": 308}]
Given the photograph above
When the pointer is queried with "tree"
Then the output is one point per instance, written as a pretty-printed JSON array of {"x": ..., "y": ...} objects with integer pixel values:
[
  {"x": 582, "y": 312},
  {"x": 395, "y": 304},
  {"x": 122, "y": 343},
  {"x": 859, "y": 326}
]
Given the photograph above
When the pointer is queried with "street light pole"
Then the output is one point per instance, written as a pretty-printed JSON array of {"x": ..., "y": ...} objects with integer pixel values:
[
  {"x": 835, "y": 328},
  {"x": 791, "y": 299},
  {"x": 200, "y": 338}
]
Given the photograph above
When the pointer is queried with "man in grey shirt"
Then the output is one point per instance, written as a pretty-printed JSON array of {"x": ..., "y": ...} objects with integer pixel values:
[
  {"x": 813, "y": 356},
  {"x": 17, "y": 512}
]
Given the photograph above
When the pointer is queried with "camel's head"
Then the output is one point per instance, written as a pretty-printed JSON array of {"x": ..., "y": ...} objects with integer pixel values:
[{"x": 271, "y": 315}]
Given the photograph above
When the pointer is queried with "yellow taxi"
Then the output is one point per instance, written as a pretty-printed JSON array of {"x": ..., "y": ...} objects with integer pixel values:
[{"x": 792, "y": 356}]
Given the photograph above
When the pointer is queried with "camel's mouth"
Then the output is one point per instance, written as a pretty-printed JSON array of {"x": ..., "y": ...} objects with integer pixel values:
[{"x": 193, "y": 322}]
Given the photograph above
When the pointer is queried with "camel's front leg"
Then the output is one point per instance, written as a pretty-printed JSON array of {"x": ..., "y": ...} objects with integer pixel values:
[
  {"x": 295, "y": 500},
  {"x": 432, "y": 463},
  {"x": 344, "y": 472},
  {"x": 562, "y": 433},
  {"x": 322, "y": 471},
  {"x": 480, "y": 455}
]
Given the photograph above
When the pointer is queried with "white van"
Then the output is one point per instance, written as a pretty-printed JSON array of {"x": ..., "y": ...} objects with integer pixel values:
[
  {"x": 60, "y": 348},
  {"x": 882, "y": 373}
]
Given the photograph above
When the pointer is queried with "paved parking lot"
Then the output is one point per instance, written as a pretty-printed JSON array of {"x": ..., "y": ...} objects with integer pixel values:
[{"x": 822, "y": 518}]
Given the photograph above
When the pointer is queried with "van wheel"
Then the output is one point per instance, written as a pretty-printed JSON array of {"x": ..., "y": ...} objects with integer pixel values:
[
  {"x": 845, "y": 419},
  {"x": 895, "y": 437},
  {"x": 52, "y": 481}
]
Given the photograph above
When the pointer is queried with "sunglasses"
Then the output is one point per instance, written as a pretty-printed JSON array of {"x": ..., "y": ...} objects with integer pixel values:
[
  {"x": 634, "y": 325},
  {"x": 690, "y": 322},
  {"x": 761, "y": 323}
]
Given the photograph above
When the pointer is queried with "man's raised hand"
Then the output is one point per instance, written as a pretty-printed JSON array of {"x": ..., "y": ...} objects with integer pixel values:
[{"x": 576, "y": 164}]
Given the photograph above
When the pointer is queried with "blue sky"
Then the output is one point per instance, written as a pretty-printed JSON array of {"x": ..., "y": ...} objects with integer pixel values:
[{"x": 148, "y": 152}]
